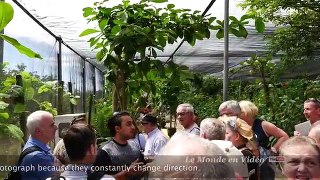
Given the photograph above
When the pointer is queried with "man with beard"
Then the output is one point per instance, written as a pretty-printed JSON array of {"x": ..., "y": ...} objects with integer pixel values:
[{"x": 119, "y": 156}]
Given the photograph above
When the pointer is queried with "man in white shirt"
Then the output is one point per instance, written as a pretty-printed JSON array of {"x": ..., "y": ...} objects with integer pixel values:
[
  {"x": 185, "y": 115},
  {"x": 156, "y": 139},
  {"x": 311, "y": 110}
]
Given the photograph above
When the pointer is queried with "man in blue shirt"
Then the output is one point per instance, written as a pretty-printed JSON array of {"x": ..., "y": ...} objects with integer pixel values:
[{"x": 42, "y": 130}]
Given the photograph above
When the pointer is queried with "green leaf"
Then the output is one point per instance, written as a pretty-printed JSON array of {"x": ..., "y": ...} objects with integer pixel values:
[
  {"x": 115, "y": 30},
  {"x": 2, "y": 95},
  {"x": 88, "y": 31},
  {"x": 15, "y": 132},
  {"x": 233, "y": 19},
  {"x": 25, "y": 75},
  {"x": 170, "y": 6},
  {"x": 244, "y": 17},
  {"x": 6, "y": 14},
  {"x": 211, "y": 19},
  {"x": 243, "y": 32},
  {"x": 118, "y": 22},
  {"x": 161, "y": 41},
  {"x": 260, "y": 26},
  {"x": 215, "y": 27},
  {"x": 29, "y": 93},
  {"x": 73, "y": 101},
  {"x": 3, "y": 105},
  {"x": 124, "y": 17},
  {"x": 220, "y": 34},
  {"x": 126, "y": 3},
  {"x": 87, "y": 11},
  {"x": 22, "y": 49},
  {"x": 19, "y": 108},
  {"x": 43, "y": 89},
  {"x": 4, "y": 115},
  {"x": 102, "y": 24},
  {"x": 221, "y": 23},
  {"x": 235, "y": 32},
  {"x": 159, "y": 1}
]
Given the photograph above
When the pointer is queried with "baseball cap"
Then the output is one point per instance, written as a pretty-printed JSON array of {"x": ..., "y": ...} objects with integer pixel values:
[{"x": 149, "y": 119}]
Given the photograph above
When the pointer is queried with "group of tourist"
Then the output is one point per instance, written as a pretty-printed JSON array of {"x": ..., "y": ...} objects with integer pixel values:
[{"x": 232, "y": 146}]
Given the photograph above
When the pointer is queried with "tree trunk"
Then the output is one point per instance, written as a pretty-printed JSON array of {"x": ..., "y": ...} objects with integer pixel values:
[
  {"x": 267, "y": 92},
  {"x": 119, "y": 101}
]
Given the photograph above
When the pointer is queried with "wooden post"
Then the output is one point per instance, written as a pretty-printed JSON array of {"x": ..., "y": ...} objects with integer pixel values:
[
  {"x": 70, "y": 91},
  {"x": 23, "y": 115}
]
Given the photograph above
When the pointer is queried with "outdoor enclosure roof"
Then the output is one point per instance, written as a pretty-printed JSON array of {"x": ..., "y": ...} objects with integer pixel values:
[{"x": 64, "y": 18}]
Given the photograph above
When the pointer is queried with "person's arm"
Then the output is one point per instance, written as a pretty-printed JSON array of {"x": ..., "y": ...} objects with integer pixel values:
[{"x": 272, "y": 130}]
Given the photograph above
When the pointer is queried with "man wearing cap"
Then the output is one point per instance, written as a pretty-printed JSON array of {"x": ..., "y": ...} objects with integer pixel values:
[
  {"x": 185, "y": 115},
  {"x": 156, "y": 139}
]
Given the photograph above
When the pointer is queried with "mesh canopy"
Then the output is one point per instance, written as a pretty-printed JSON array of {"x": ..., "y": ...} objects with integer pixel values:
[{"x": 64, "y": 18}]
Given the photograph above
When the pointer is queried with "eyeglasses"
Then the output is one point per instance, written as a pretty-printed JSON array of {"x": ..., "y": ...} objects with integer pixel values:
[{"x": 144, "y": 123}]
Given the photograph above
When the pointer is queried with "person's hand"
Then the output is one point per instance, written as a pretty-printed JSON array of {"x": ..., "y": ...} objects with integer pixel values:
[
  {"x": 273, "y": 150},
  {"x": 296, "y": 133},
  {"x": 136, "y": 168}
]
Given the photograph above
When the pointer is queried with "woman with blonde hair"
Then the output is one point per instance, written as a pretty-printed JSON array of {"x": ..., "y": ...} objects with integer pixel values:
[
  {"x": 241, "y": 136},
  {"x": 263, "y": 130}
]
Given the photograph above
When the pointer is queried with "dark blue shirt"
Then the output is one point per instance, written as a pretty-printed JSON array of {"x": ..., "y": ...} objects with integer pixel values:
[{"x": 40, "y": 162}]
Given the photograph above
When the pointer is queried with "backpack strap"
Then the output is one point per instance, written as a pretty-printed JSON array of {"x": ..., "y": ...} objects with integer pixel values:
[
  {"x": 15, "y": 175},
  {"x": 28, "y": 151}
]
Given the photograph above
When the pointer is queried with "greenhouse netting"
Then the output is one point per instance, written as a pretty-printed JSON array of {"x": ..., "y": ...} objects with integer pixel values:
[{"x": 53, "y": 27}]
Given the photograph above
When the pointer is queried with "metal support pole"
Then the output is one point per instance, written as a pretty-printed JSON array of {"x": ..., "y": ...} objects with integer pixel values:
[
  {"x": 226, "y": 51},
  {"x": 1, "y": 49},
  {"x": 84, "y": 86},
  {"x": 94, "y": 81},
  {"x": 91, "y": 100},
  {"x": 60, "y": 82}
]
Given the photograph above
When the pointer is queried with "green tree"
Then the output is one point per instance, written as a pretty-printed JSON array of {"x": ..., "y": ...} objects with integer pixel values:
[
  {"x": 7, "y": 128},
  {"x": 297, "y": 36},
  {"x": 129, "y": 36}
]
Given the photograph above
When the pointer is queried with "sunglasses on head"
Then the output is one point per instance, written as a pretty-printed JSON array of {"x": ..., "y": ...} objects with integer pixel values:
[{"x": 232, "y": 123}]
